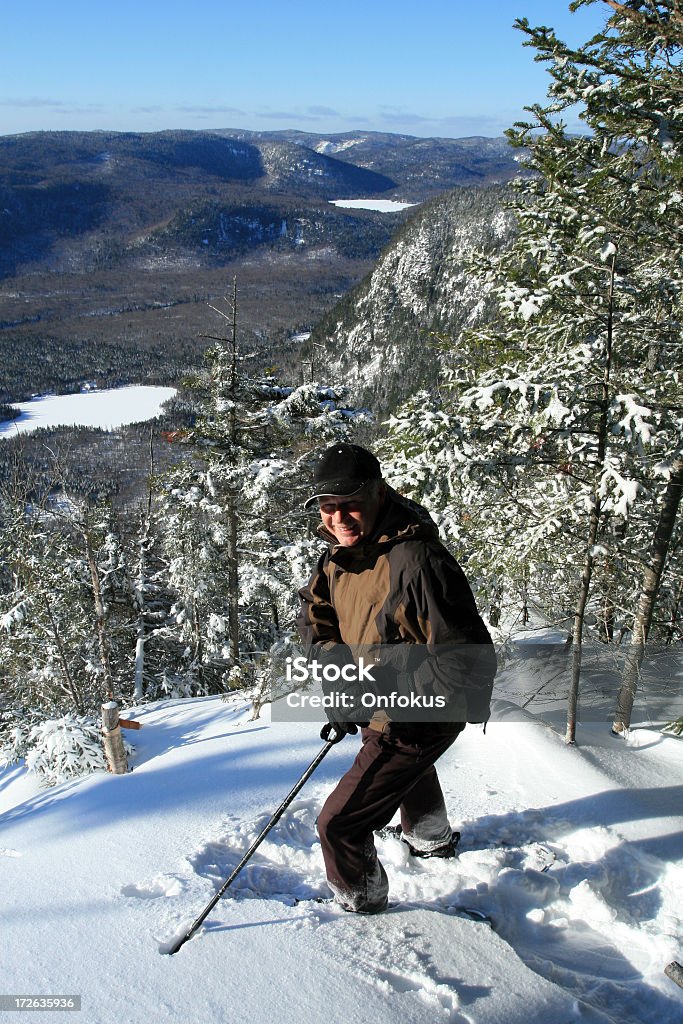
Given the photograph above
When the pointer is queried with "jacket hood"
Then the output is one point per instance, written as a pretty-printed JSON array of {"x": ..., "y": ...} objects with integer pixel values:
[{"x": 399, "y": 520}]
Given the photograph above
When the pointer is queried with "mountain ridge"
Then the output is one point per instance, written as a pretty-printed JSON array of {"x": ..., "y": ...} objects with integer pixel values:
[
  {"x": 419, "y": 292},
  {"x": 103, "y": 235}
]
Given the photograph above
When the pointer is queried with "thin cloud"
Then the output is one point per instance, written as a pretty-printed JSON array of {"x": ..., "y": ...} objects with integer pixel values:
[
  {"x": 475, "y": 124},
  {"x": 470, "y": 124},
  {"x": 394, "y": 115},
  {"x": 313, "y": 113},
  {"x": 212, "y": 109},
  {"x": 285, "y": 115},
  {"x": 33, "y": 101},
  {"x": 56, "y": 106},
  {"x": 317, "y": 111},
  {"x": 457, "y": 119}
]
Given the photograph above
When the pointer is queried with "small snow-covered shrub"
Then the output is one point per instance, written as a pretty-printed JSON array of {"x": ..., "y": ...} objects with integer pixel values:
[
  {"x": 12, "y": 745},
  {"x": 15, "y": 728},
  {"x": 62, "y": 748},
  {"x": 177, "y": 686}
]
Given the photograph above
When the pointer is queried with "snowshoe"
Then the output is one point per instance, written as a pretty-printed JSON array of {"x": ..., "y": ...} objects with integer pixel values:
[
  {"x": 331, "y": 902},
  {"x": 447, "y": 850}
]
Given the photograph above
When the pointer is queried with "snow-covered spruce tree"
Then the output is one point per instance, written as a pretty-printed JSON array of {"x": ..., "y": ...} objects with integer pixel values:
[
  {"x": 591, "y": 295},
  {"x": 199, "y": 521},
  {"x": 233, "y": 534},
  {"x": 637, "y": 63},
  {"x": 653, "y": 571},
  {"x": 152, "y": 598},
  {"x": 192, "y": 543},
  {"x": 277, "y": 546},
  {"x": 41, "y": 611},
  {"x": 565, "y": 424},
  {"x": 64, "y": 605},
  {"x": 427, "y": 456}
]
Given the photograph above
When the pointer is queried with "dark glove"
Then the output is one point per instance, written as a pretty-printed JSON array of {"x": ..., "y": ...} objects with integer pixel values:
[
  {"x": 347, "y": 712},
  {"x": 333, "y": 732}
]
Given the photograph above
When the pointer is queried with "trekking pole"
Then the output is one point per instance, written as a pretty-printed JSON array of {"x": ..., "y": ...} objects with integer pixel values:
[{"x": 337, "y": 736}]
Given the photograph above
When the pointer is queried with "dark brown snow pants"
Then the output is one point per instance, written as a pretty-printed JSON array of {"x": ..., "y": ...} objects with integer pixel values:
[{"x": 393, "y": 769}]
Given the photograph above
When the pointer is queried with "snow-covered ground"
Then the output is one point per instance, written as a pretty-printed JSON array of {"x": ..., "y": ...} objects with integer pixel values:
[
  {"x": 575, "y": 854},
  {"x": 379, "y": 205},
  {"x": 107, "y": 409}
]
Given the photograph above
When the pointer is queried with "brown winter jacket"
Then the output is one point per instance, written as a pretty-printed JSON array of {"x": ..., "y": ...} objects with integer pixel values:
[{"x": 402, "y": 595}]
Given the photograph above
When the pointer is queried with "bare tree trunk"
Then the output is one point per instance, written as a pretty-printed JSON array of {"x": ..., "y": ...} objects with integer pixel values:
[
  {"x": 114, "y": 748},
  {"x": 233, "y": 569},
  {"x": 100, "y": 616},
  {"x": 141, "y": 581},
  {"x": 198, "y": 645},
  {"x": 139, "y": 689},
  {"x": 70, "y": 685},
  {"x": 495, "y": 606},
  {"x": 675, "y": 612},
  {"x": 233, "y": 584},
  {"x": 607, "y": 612},
  {"x": 594, "y": 527},
  {"x": 579, "y": 616},
  {"x": 652, "y": 577},
  {"x": 232, "y": 495},
  {"x": 675, "y": 971}
]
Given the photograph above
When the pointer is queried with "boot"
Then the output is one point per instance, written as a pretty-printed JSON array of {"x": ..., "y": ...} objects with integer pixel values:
[{"x": 447, "y": 850}]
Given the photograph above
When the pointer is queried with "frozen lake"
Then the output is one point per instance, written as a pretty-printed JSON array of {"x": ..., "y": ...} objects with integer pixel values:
[
  {"x": 379, "y": 205},
  {"x": 108, "y": 409}
]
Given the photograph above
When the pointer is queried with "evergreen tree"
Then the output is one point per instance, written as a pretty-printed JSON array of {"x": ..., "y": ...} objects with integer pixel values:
[
  {"x": 233, "y": 535},
  {"x": 564, "y": 421},
  {"x": 65, "y": 605}
]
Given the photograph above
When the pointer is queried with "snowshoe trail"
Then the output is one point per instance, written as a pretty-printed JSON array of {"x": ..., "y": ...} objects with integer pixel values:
[
  {"x": 561, "y": 884},
  {"x": 573, "y": 855},
  {"x": 286, "y": 867},
  {"x": 511, "y": 877}
]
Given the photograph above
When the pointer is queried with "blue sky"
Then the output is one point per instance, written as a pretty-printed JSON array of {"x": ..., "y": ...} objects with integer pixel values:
[{"x": 426, "y": 67}]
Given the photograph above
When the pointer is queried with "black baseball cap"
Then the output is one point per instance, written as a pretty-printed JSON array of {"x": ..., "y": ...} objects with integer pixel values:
[{"x": 342, "y": 471}]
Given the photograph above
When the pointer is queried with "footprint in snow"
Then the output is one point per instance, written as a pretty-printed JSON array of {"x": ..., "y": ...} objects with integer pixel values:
[
  {"x": 286, "y": 866},
  {"x": 162, "y": 885}
]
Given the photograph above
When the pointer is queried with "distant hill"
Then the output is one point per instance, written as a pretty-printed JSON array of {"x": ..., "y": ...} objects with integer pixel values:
[
  {"x": 58, "y": 184},
  {"x": 113, "y": 244},
  {"x": 35, "y": 157},
  {"x": 420, "y": 167},
  {"x": 123, "y": 185}
]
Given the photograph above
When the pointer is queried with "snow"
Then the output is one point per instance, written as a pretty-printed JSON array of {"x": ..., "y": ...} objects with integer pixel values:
[
  {"x": 607, "y": 251},
  {"x": 529, "y": 308},
  {"x": 574, "y": 853},
  {"x": 379, "y": 205},
  {"x": 107, "y": 409}
]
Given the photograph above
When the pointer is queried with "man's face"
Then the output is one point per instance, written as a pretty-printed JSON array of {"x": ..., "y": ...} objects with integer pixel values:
[{"x": 351, "y": 519}]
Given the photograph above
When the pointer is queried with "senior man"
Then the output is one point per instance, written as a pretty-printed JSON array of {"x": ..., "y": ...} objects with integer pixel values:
[{"x": 388, "y": 587}]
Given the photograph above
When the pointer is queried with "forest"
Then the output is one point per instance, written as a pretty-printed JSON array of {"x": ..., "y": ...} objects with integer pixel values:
[{"x": 546, "y": 439}]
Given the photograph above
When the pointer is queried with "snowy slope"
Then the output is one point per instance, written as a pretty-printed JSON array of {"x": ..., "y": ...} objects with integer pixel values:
[{"x": 575, "y": 854}]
